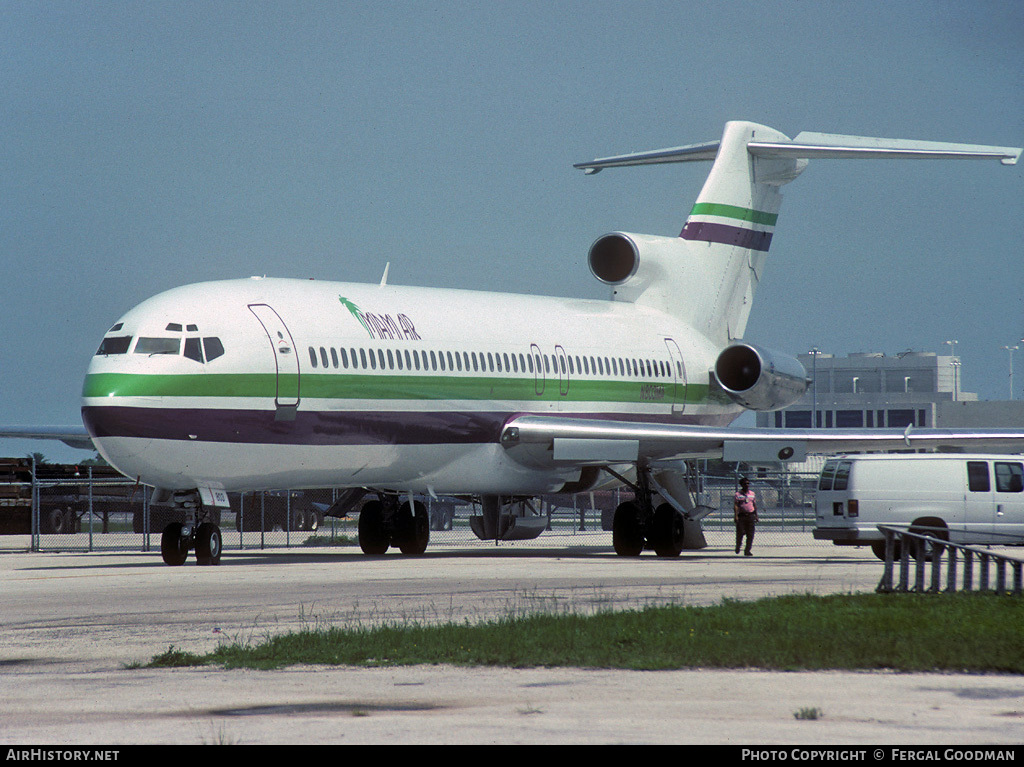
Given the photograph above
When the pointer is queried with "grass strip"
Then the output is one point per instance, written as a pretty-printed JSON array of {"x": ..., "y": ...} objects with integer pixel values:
[{"x": 972, "y": 632}]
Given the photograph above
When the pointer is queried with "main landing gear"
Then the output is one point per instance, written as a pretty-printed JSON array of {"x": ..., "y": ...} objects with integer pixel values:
[
  {"x": 385, "y": 522},
  {"x": 639, "y": 524}
]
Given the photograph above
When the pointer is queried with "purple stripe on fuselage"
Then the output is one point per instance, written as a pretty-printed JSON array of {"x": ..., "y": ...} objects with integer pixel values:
[
  {"x": 308, "y": 428},
  {"x": 321, "y": 427},
  {"x": 726, "y": 235}
]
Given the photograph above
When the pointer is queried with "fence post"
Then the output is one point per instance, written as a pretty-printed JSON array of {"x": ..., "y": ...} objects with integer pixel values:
[
  {"x": 145, "y": 517},
  {"x": 886, "y": 584},
  {"x": 34, "y": 513},
  {"x": 919, "y": 564},
  {"x": 951, "y": 570},
  {"x": 937, "y": 552},
  {"x": 904, "y": 565},
  {"x": 91, "y": 515}
]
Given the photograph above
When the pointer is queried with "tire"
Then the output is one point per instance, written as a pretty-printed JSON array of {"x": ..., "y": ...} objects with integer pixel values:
[
  {"x": 173, "y": 547},
  {"x": 413, "y": 529},
  {"x": 667, "y": 535},
  {"x": 209, "y": 544},
  {"x": 627, "y": 530},
  {"x": 56, "y": 520},
  {"x": 374, "y": 536},
  {"x": 878, "y": 549},
  {"x": 936, "y": 528}
]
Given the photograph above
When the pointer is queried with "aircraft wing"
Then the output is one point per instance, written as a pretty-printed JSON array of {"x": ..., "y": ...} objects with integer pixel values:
[
  {"x": 541, "y": 440},
  {"x": 72, "y": 436}
]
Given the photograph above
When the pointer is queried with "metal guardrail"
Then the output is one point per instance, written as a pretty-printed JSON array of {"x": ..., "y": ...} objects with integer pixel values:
[{"x": 958, "y": 560}]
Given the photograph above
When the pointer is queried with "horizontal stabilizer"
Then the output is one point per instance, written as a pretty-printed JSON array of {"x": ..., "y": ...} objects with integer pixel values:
[
  {"x": 809, "y": 145},
  {"x": 689, "y": 153},
  {"x": 831, "y": 145}
]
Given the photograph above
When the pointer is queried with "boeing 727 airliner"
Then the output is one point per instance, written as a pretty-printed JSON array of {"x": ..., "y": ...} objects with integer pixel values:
[{"x": 392, "y": 391}]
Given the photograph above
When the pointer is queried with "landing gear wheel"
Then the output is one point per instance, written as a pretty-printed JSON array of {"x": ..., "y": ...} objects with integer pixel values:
[
  {"x": 374, "y": 536},
  {"x": 173, "y": 546},
  {"x": 413, "y": 529},
  {"x": 627, "y": 530},
  {"x": 667, "y": 537},
  {"x": 208, "y": 544}
]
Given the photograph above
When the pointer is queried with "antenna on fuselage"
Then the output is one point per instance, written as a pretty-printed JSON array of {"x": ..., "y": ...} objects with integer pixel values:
[{"x": 384, "y": 277}]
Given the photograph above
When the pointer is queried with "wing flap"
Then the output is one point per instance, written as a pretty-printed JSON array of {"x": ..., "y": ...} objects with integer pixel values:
[{"x": 539, "y": 440}]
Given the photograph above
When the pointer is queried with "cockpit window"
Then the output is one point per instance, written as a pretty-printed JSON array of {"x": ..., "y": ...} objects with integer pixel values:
[
  {"x": 192, "y": 349},
  {"x": 214, "y": 348},
  {"x": 114, "y": 345},
  {"x": 158, "y": 345}
]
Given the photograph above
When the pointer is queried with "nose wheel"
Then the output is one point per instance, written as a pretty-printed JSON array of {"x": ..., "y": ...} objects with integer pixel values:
[{"x": 177, "y": 539}]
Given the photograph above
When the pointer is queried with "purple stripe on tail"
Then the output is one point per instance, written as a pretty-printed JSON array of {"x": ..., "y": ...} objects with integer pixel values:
[{"x": 726, "y": 235}]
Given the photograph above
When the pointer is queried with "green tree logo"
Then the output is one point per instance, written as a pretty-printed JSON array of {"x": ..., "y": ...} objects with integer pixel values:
[{"x": 357, "y": 313}]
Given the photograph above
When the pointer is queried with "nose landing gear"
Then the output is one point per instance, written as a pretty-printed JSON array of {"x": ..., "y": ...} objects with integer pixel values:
[
  {"x": 199, "y": 531},
  {"x": 177, "y": 539}
]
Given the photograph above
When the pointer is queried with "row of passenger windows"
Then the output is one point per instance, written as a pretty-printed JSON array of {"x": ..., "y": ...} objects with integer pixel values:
[{"x": 487, "y": 362}]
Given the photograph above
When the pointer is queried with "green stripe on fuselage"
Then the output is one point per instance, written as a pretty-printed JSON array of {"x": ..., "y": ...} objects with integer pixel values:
[
  {"x": 386, "y": 387},
  {"x": 734, "y": 211}
]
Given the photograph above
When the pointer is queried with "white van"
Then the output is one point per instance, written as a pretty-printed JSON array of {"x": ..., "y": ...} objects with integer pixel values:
[{"x": 963, "y": 498}]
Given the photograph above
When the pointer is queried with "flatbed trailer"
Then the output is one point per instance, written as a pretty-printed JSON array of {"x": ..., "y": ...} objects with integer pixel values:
[{"x": 65, "y": 493}]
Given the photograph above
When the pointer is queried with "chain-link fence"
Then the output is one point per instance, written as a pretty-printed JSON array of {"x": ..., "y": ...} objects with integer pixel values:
[{"x": 100, "y": 512}]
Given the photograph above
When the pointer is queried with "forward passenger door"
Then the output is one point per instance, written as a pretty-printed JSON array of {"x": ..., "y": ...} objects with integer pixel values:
[{"x": 286, "y": 361}]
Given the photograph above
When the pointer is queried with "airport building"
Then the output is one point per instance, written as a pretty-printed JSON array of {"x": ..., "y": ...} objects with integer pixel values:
[{"x": 875, "y": 390}]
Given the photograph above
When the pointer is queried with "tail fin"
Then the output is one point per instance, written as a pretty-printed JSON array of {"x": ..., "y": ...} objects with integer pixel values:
[{"x": 712, "y": 280}]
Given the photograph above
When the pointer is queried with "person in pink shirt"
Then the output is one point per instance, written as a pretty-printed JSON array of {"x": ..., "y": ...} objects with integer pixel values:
[{"x": 744, "y": 513}]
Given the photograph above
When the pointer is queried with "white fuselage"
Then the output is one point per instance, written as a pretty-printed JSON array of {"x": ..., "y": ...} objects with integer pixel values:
[
  {"x": 267, "y": 383},
  {"x": 272, "y": 383}
]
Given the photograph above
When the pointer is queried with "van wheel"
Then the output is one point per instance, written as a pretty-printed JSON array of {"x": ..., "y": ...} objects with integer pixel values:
[
  {"x": 923, "y": 550},
  {"x": 878, "y": 549}
]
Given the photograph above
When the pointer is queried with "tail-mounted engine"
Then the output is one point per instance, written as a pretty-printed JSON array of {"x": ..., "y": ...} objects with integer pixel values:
[
  {"x": 631, "y": 263},
  {"x": 760, "y": 379}
]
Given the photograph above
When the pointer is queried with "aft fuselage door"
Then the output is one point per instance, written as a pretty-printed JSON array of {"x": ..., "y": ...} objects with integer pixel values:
[
  {"x": 286, "y": 360},
  {"x": 678, "y": 376},
  {"x": 538, "y": 369},
  {"x": 560, "y": 360}
]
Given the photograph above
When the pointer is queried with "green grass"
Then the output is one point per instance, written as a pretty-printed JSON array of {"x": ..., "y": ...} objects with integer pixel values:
[{"x": 906, "y": 632}]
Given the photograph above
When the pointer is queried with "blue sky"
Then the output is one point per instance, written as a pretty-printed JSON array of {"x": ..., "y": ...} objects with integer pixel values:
[{"x": 148, "y": 145}]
